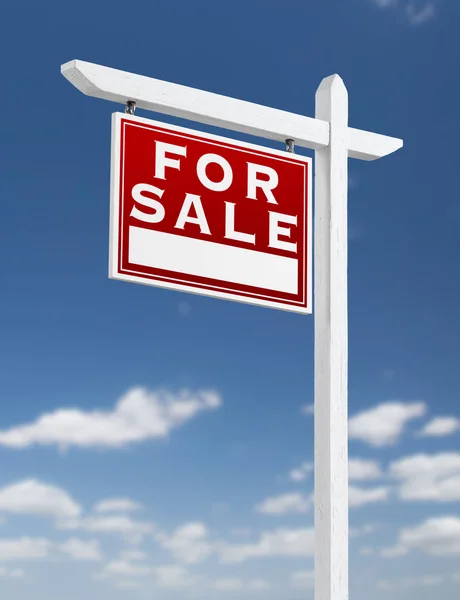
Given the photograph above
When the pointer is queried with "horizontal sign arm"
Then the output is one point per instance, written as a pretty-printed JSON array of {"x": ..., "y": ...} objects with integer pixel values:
[{"x": 220, "y": 111}]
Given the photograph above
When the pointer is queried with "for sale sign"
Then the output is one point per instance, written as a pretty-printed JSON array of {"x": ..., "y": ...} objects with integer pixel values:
[{"x": 209, "y": 215}]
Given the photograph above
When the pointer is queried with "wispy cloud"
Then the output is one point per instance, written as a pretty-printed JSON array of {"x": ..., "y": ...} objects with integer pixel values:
[
  {"x": 302, "y": 579},
  {"x": 359, "y": 496},
  {"x": 360, "y": 469},
  {"x": 389, "y": 374},
  {"x": 385, "y": 3},
  {"x": 87, "y": 550},
  {"x": 131, "y": 530},
  {"x": 139, "y": 415},
  {"x": 184, "y": 309},
  {"x": 188, "y": 544},
  {"x": 117, "y": 505},
  {"x": 278, "y": 542},
  {"x": 416, "y": 12},
  {"x": 285, "y": 504},
  {"x": 126, "y": 568},
  {"x": 417, "y": 15},
  {"x": 307, "y": 409},
  {"x": 24, "y": 548},
  {"x": 11, "y": 573},
  {"x": 302, "y": 472},
  {"x": 175, "y": 576},
  {"x": 35, "y": 548},
  {"x": 405, "y": 583}
]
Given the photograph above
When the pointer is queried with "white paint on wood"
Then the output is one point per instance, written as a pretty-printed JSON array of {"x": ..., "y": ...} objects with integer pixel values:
[
  {"x": 369, "y": 146},
  {"x": 221, "y": 111},
  {"x": 331, "y": 340}
]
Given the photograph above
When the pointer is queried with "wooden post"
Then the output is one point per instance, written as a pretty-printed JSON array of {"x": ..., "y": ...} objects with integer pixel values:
[{"x": 331, "y": 346}]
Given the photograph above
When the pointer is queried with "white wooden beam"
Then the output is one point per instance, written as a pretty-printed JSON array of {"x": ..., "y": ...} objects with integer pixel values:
[
  {"x": 331, "y": 347},
  {"x": 212, "y": 109}
]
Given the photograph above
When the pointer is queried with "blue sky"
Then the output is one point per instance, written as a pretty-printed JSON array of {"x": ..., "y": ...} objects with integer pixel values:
[{"x": 93, "y": 501}]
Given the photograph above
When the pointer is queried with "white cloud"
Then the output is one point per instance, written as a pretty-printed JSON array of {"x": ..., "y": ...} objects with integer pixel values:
[
  {"x": 428, "y": 477},
  {"x": 234, "y": 584},
  {"x": 124, "y": 567},
  {"x": 278, "y": 542},
  {"x": 139, "y": 415},
  {"x": 116, "y": 505},
  {"x": 358, "y": 496},
  {"x": 188, "y": 543},
  {"x": 440, "y": 426},
  {"x": 228, "y": 585},
  {"x": 308, "y": 409},
  {"x": 364, "y": 529},
  {"x": 127, "y": 585},
  {"x": 131, "y": 530},
  {"x": 393, "y": 551},
  {"x": 302, "y": 579},
  {"x": 417, "y": 15},
  {"x": 439, "y": 536},
  {"x": 298, "y": 503},
  {"x": 257, "y": 585},
  {"x": 24, "y": 548},
  {"x": 82, "y": 549},
  {"x": 362, "y": 470},
  {"x": 34, "y": 497},
  {"x": 385, "y": 3},
  {"x": 432, "y": 580},
  {"x": 302, "y": 472},
  {"x": 384, "y": 424},
  {"x": 286, "y": 503},
  {"x": 385, "y": 584},
  {"x": 358, "y": 470},
  {"x": 417, "y": 11},
  {"x": 175, "y": 576},
  {"x": 409, "y": 582},
  {"x": 11, "y": 573},
  {"x": 133, "y": 555},
  {"x": 241, "y": 531}
]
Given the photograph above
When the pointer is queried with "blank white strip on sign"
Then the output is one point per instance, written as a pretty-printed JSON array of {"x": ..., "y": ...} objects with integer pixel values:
[{"x": 215, "y": 261}]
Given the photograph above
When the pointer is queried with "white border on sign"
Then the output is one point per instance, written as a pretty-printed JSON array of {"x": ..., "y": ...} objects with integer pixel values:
[{"x": 115, "y": 205}]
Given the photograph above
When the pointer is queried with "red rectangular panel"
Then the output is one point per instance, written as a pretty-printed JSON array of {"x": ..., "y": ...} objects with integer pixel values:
[{"x": 209, "y": 215}]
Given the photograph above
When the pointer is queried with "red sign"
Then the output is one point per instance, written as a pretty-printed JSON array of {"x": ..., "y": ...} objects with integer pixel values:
[{"x": 209, "y": 215}]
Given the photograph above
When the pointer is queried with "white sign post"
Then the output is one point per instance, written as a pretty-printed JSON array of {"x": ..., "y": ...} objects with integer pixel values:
[
  {"x": 331, "y": 346},
  {"x": 333, "y": 141}
]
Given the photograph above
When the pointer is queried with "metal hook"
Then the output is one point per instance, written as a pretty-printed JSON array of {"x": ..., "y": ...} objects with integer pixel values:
[
  {"x": 130, "y": 107},
  {"x": 290, "y": 145}
]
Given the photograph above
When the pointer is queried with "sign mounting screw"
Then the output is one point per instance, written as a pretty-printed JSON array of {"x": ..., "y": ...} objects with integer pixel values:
[
  {"x": 130, "y": 107},
  {"x": 290, "y": 145}
]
